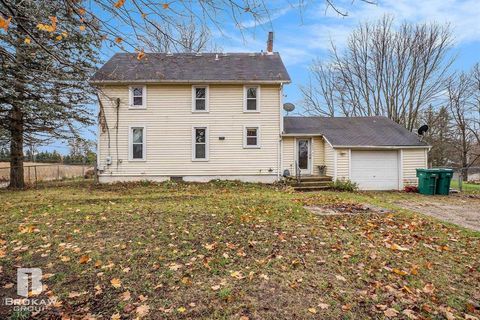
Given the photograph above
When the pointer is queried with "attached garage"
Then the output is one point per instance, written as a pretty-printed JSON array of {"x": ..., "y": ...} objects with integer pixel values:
[
  {"x": 376, "y": 169},
  {"x": 374, "y": 152}
]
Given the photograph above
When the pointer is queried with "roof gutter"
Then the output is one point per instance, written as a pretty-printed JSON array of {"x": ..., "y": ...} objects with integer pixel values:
[
  {"x": 109, "y": 82},
  {"x": 381, "y": 147}
]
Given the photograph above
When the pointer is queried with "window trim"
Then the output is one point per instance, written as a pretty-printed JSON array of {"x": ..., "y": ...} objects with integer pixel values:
[
  {"x": 245, "y": 88},
  {"x": 259, "y": 134},
  {"x": 130, "y": 143},
  {"x": 144, "y": 97},
  {"x": 207, "y": 99},
  {"x": 207, "y": 143}
]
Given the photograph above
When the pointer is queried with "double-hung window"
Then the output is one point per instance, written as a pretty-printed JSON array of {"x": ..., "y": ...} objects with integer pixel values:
[
  {"x": 200, "y": 99},
  {"x": 138, "y": 96},
  {"x": 200, "y": 144},
  {"x": 251, "y": 137},
  {"x": 251, "y": 99},
  {"x": 137, "y": 143}
]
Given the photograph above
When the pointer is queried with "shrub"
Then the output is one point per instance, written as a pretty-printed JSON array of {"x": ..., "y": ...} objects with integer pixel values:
[{"x": 344, "y": 185}]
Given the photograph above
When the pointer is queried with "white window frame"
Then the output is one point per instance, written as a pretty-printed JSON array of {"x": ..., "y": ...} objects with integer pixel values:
[
  {"x": 259, "y": 144},
  {"x": 144, "y": 97},
  {"x": 194, "y": 99},
  {"x": 194, "y": 143},
  {"x": 245, "y": 88},
  {"x": 130, "y": 143}
]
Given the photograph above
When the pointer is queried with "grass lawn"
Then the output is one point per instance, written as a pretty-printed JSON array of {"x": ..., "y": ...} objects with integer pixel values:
[
  {"x": 233, "y": 251},
  {"x": 467, "y": 187}
]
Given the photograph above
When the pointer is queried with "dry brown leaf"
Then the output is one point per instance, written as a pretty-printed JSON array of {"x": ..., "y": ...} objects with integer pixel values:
[
  {"x": 215, "y": 288},
  {"x": 410, "y": 314},
  {"x": 323, "y": 306},
  {"x": 125, "y": 296},
  {"x": 84, "y": 259},
  {"x": 312, "y": 310},
  {"x": 4, "y": 23},
  {"x": 142, "y": 310},
  {"x": 341, "y": 278},
  {"x": 390, "y": 312},
  {"x": 115, "y": 316},
  {"x": 116, "y": 283},
  {"x": 429, "y": 288},
  {"x": 119, "y": 4}
]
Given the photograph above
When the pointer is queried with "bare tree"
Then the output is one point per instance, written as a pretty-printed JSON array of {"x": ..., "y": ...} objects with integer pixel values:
[
  {"x": 394, "y": 72},
  {"x": 461, "y": 104},
  {"x": 191, "y": 38}
]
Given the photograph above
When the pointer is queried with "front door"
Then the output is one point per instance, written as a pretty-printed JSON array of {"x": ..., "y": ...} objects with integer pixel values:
[{"x": 304, "y": 156}]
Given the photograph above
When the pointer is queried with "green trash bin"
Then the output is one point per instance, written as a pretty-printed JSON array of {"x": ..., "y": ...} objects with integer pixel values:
[
  {"x": 443, "y": 182},
  {"x": 427, "y": 181},
  {"x": 434, "y": 181}
]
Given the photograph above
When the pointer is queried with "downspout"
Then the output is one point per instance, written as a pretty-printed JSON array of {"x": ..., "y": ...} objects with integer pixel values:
[{"x": 280, "y": 141}]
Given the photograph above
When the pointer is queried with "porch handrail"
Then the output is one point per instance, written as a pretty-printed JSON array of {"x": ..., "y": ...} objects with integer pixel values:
[{"x": 297, "y": 172}]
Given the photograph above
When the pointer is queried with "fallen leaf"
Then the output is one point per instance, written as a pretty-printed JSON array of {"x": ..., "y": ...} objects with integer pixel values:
[
  {"x": 27, "y": 40},
  {"x": 323, "y": 306},
  {"x": 115, "y": 316},
  {"x": 181, "y": 309},
  {"x": 4, "y": 23},
  {"x": 8, "y": 285},
  {"x": 215, "y": 288},
  {"x": 410, "y": 314},
  {"x": 396, "y": 247},
  {"x": 84, "y": 259},
  {"x": 119, "y": 4},
  {"x": 64, "y": 258},
  {"x": 116, "y": 283},
  {"x": 125, "y": 296},
  {"x": 428, "y": 288},
  {"x": 341, "y": 278},
  {"x": 312, "y": 310},
  {"x": 142, "y": 310},
  {"x": 390, "y": 312}
]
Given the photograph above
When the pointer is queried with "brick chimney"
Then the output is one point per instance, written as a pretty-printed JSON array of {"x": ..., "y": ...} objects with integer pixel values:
[{"x": 270, "y": 43}]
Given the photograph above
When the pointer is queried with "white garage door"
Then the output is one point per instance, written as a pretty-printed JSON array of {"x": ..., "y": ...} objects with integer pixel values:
[{"x": 375, "y": 170}]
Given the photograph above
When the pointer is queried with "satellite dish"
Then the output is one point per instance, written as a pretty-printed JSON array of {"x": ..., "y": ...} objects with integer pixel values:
[
  {"x": 421, "y": 131},
  {"x": 289, "y": 107}
]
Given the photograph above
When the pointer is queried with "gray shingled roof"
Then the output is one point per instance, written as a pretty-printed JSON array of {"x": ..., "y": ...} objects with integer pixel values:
[
  {"x": 187, "y": 67},
  {"x": 354, "y": 131}
]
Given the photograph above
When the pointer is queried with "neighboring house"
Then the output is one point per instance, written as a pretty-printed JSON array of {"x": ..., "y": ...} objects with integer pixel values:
[{"x": 219, "y": 116}]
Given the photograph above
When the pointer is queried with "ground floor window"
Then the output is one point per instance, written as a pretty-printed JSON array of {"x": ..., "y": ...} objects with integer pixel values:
[
  {"x": 200, "y": 143},
  {"x": 251, "y": 137},
  {"x": 137, "y": 143}
]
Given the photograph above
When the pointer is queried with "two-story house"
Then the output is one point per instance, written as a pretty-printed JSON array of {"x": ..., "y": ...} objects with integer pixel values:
[{"x": 209, "y": 116}]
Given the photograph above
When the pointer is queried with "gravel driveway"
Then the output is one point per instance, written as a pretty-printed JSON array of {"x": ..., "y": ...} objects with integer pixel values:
[{"x": 461, "y": 210}]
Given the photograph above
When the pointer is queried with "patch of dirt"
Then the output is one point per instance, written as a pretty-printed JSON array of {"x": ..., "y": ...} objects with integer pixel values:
[
  {"x": 460, "y": 210},
  {"x": 344, "y": 209}
]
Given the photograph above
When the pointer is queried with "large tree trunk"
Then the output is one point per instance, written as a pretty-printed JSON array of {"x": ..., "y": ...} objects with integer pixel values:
[{"x": 17, "y": 180}]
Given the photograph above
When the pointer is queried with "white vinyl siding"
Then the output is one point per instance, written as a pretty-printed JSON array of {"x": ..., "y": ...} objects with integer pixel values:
[
  {"x": 138, "y": 97},
  {"x": 343, "y": 164},
  {"x": 169, "y": 120},
  {"x": 412, "y": 159},
  {"x": 251, "y": 99},
  {"x": 330, "y": 160},
  {"x": 288, "y": 156},
  {"x": 318, "y": 154}
]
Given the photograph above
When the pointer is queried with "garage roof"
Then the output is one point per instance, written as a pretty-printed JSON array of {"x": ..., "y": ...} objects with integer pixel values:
[{"x": 353, "y": 131}]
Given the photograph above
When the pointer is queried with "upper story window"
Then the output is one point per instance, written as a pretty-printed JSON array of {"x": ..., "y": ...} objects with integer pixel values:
[
  {"x": 200, "y": 99},
  {"x": 200, "y": 144},
  {"x": 137, "y": 143},
  {"x": 251, "y": 137},
  {"x": 138, "y": 97},
  {"x": 251, "y": 100}
]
